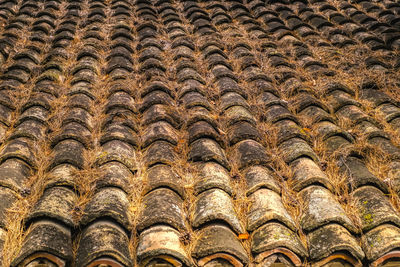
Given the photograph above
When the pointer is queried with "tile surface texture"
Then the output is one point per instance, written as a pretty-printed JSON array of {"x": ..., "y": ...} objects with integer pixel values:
[{"x": 199, "y": 133}]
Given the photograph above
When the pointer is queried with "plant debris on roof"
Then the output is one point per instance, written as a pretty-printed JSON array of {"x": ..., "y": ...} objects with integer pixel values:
[{"x": 199, "y": 133}]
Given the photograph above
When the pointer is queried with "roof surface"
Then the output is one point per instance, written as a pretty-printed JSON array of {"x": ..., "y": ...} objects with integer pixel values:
[{"x": 208, "y": 133}]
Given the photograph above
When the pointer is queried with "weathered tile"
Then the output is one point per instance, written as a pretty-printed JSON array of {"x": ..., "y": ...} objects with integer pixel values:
[
  {"x": 120, "y": 99},
  {"x": 375, "y": 96},
  {"x": 205, "y": 149},
  {"x": 374, "y": 208},
  {"x": 215, "y": 205},
  {"x": 108, "y": 202},
  {"x": 233, "y": 99},
  {"x": 155, "y": 97},
  {"x": 288, "y": 129},
  {"x": 306, "y": 172},
  {"x": 19, "y": 149},
  {"x": 266, "y": 205},
  {"x": 186, "y": 76},
  {"x": 332, "y": 238},
  {"x": 103, "y": 239},
  {"x": 74, "y": 131},
  {"x": 389, "y": 111},
  {"x": 160, "y": 130},
  {"x": 218, "y": 239},
  {"x": 14, "y": 173},
  {"x": 119, "y": 132},
  {"x": 327, "y": 129},
  {"x": 386, "y": 146},
  {"x": 212, "y": 175},
  {"x": 316, "y": 115},
  {"x": 354, "y": 114},
  {"x": 30, "y": 129},
  {"x": 276, "y": 113},
  {"x": 46, "y": 237},
  {"x": 274, "y": 235},
  {"x": 161, "y": 176},
  {"x": 336, "y": 143},
  {"x": 250, "y": 152},
  {"x": 359, "y": 175},
  {"x": 192, "y": 99},
  {"x": 68, "y": 151},
  {"x": 162, "y": 206},
  {"x": 321, "y": 208},
  {"x": 79, "y": 115},
  {"x": 159, "y": 152},
  {"x": 296, "y": 148},
  {"x": 202, "y": 129},
  {"x": 118, "y": 151},
  {"x": 260, "y": 177},
  {"x": 236, "y": 114},
  {"x": 62, "y": 175},
  {"x": 160, "y": 112},
  {"x": 55, "y": 203},
  {"x": 8, "y": 198},
  {"x": 161, "y": 242},
  {"x": 380, "y": 240},
  {"x": 201, "y": 114},
  {"x": 339, "y": 99},
  {"x": 114, "y": 174}
]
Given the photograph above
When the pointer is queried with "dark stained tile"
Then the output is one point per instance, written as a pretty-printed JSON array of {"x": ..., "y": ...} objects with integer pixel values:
[
  {"x": 47, "y": 236},
  {"x": 207, "y": 150},
  {"x": 103, "y": 239},
  {"x": 56, "y": 203},
  {"x": 108, "y": 202},
  {"x": 162, "y": 206},
  {"x": 163, "y": 176}
]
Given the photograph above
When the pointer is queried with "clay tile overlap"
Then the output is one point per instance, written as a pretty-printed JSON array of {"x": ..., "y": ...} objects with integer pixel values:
[{"x": 199, "y": 133}]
